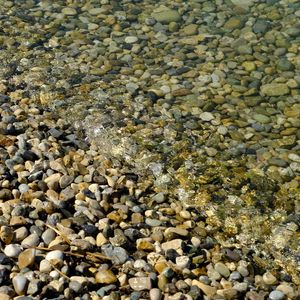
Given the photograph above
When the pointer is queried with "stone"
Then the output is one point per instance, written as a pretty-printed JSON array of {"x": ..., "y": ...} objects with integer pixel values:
[
  {"x": 26, "y": 258},
  {"x": 131, "y": 39},
  {"x": 20, "y": 283},
  {"x": 48, "y": 236},
  {"x": 165, "y": 16},
  {"x": 12, "y": 250},
  {"x": 176, "y": 244},
  {"x": 31, "y": 241},
  {"x": 276, "y": 295},
  {"x": 69, "y": 11},
  {"x": 206, "y": 289},
  {"x": 274, "y": 89},
  {"x": 269, "y": 278},
  {"x": 182, "y": 262},
  {"x": 155, "y": 294},
  {"x": 6, "y": 234},
  {"x": 140, "y": 283},
  {"x": 261, "y": 118},
  {"x": 105, "y": 277},
  {"x": 145, "y": 244},
  {"x": 55, "y": 257},
  {"x": 206, "y": 116}
]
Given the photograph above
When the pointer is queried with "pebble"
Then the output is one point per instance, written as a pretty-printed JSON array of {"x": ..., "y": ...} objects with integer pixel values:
[
  {"x": 207, "y": 116},
  {"x": 20, "y": 283},
  {"x": 140, "y": 283},
  {"x": 155, "y": 294},
  {"x": 56, "y": 257},
  {"x": 26, "y": 258},
  {"x": 269, "y": 278},
  {"x": 222, "y": 269},
  {"x": 105, "y": 277},
  {"x": 276, "y": 295},
  {"x": 12, "y": 250}
]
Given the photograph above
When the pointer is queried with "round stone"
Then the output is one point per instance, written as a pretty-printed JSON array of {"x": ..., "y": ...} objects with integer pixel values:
[
  {"x": 222, "y": 269},
  {"x": 276, "y": 295},
  {"x": 12, "y": 250}
]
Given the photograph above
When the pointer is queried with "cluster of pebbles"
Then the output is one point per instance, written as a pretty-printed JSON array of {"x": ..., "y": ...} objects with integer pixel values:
[
  {"x": 74, "y": 226},
  {"x": 150, "y": 149}
]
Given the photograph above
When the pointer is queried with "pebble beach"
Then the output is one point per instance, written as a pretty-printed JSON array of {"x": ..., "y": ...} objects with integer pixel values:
[{"x": 150, "y": 150}]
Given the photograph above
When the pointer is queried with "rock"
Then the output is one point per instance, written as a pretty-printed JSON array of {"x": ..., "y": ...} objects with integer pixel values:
[
  {"x": 222, "y": 269},
  {"x": 48, "y": 236},
  {"x": 131, "y": 39},
  {"x": 140, "y": 283},
  {"x": 206, "y": 116},
  {"x": 165, "y": 15},
  {"x": 105, "y": 277},
  {"x": 176, "y": 244},
  {"x": 182, "y": 262},
  {"x": 55, "y": 257},
  {"x": 269, "y": 278},
  {"x": 31, "y": 241},
  {"x": 34, "y": 286},
  {"x": 275, "y": 89},
  {"x": 206, "y": 289},
  {"x": 69, "y": 11},
  {"x": 118, "y": 255},
  {"x": 261, "y": 118},
  {"x": 276, "y": 295},
  {"x": 6, "y": 234},
  {"x": 155, "y": 294},
  {"x": 26, "y": 258},
  {"x": 12, "y": 250},
  {"x": 20, "y": 284},
  {"x": 233, "y": 23}
]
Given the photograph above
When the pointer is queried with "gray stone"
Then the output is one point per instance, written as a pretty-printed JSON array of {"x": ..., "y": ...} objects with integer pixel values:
[
  {"x": 118, "y": 255},
  {"x": 20, "y": 284},
  {"x": 12, "y": 250},
  {"x": 31, "y": 241},
  {"x": 222, "y": 269}
]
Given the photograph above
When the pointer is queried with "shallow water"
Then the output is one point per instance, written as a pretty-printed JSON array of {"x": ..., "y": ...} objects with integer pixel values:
[{"x": 199, "y": 97}]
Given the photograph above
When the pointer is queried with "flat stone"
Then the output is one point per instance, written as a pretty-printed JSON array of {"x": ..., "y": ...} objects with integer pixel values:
[
  {"x": 165, "y": 16},
  {"x": 140, "y": 283},
  {"x": 131, "y": 39},
  {"x": 275, "y": 89},
  {"x": 69, "y": 11},
  {"x": 176, "y": 244}
]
